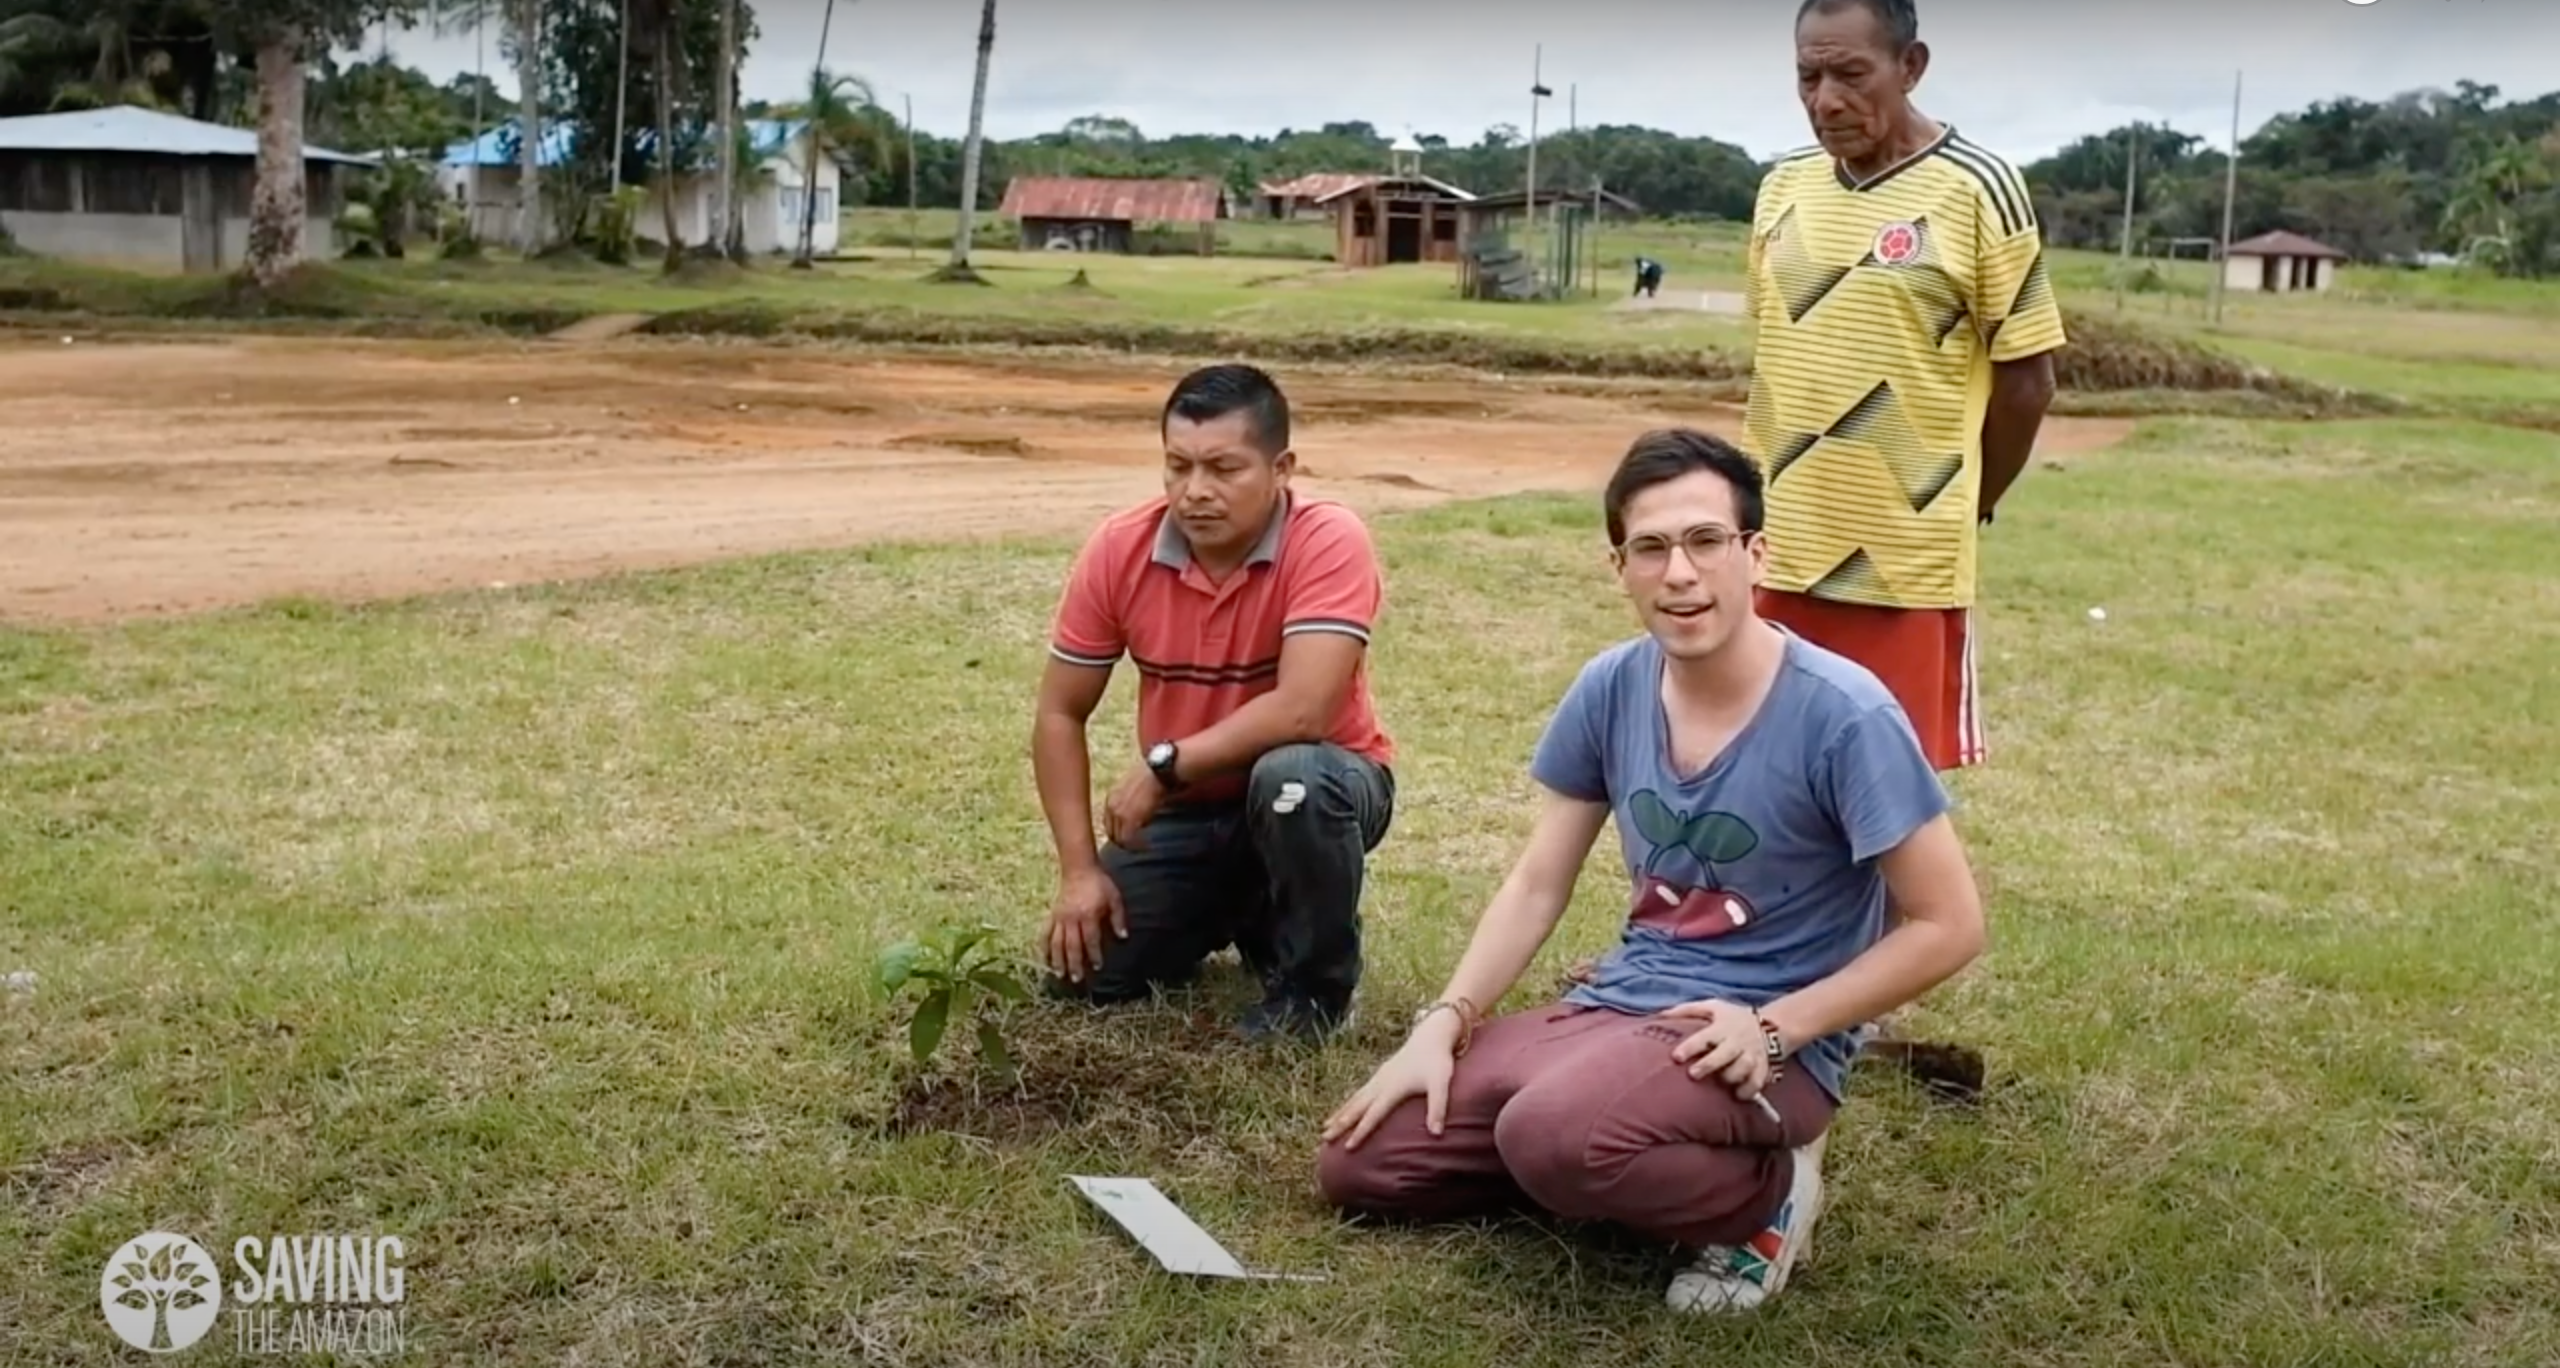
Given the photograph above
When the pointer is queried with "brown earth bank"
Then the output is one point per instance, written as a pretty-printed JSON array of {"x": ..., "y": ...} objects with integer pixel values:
[{"x": 177, "y": 477}]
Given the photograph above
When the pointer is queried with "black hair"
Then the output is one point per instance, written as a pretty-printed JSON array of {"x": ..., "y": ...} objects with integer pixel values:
[
  {"x": 1215, "y": 391},
  {"x": 1900, "y": 19},
  {"x": 1666, "y": 454}
]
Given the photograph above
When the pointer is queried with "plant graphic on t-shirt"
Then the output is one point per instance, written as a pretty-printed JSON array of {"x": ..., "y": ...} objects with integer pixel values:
[{"x": 1709, "y": 838}]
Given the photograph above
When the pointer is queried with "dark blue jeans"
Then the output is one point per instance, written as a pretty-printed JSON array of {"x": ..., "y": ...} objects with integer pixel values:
[{"x": 1277, "y": 874}]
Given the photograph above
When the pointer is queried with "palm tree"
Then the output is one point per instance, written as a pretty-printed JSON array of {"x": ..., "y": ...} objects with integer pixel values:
[
  {"x": 838, "y": 113},
  {"x": 26, "y": 40},
  {"x": 959, "y": 269},
  {"x": 133, "y": 65},
  {"x": 521, "y": 21},
  {"x": 2482, "y": 210},
  {"x": 659, "y": 24},
  {"x": 729, "y": 233}
]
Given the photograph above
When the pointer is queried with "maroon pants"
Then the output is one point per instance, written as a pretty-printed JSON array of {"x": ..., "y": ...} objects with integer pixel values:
[{"x": 1583, "y": 1112}]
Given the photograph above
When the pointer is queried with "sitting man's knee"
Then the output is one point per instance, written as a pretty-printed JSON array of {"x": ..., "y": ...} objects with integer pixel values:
[
  {"x": 1289, "y": 777},
  {"x": 1546, "y": 1155}
]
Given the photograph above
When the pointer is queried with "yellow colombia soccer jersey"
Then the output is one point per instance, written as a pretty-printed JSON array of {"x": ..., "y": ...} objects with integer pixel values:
[{"x": 1877, "y": 311}]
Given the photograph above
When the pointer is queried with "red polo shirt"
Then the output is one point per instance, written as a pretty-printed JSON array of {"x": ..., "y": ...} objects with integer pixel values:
[{"x": 1205, "y": 648}]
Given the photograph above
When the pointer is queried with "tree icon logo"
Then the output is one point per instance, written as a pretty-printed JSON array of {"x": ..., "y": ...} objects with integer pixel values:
[{"x": 160, "y": 1292}]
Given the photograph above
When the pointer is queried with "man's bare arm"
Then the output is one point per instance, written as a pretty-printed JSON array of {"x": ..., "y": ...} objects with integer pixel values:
[
  {"x": 1938, "y": 930},
  {"x": 1060, "y": 763},
  {"x": 1316, "y": 670},
  {"x": 2021, "y": 391},
  {"x": 1524, "y": 911}
]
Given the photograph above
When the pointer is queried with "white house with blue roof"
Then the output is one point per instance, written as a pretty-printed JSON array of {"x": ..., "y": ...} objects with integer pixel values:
[
  {"x": 482, "y": 176},
  {"x": 135, "y": 187}
]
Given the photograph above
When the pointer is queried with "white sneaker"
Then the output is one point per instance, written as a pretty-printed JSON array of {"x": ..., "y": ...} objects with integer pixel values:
[{"x": 1740, "y": 1278}]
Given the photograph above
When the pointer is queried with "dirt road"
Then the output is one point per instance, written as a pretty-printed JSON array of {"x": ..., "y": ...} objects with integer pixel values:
[{"x": 177, "y": 477}]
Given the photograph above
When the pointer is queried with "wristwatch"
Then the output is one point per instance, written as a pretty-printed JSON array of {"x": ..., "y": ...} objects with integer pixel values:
[
  {"x": 1776, "y": 1047},
  {"x": 1160, "y": 758}
]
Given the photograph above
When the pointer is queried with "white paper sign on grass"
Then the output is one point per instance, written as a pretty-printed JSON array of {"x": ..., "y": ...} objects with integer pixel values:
[{"x": 1175, "y": 1239}]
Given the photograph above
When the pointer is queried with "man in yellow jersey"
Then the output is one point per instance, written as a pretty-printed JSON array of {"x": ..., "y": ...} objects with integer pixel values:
[{"x": 1904, "y": 337}]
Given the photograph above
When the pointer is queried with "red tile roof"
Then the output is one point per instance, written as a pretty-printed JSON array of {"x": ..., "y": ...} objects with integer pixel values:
[{"x": 1089, "y": 197}]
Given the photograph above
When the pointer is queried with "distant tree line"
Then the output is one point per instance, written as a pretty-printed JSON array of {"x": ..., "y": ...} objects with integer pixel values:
[
  {"x": 2458, "y": 172},
  {"x": 2428, "y": 171}
]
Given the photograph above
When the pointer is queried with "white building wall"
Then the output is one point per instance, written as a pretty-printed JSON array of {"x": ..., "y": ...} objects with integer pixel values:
[
  {"x": 771, "y": 214},
  {"x": 151, "y": 242},
  {"x": 147, "y": 241}
]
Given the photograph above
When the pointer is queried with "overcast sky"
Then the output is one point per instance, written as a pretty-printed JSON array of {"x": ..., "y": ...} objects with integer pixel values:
[{"x": 2021, "y": 76}]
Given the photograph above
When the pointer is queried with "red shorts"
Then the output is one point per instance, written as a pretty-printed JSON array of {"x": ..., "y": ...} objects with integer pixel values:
[{"x": 1924, "y": 655}]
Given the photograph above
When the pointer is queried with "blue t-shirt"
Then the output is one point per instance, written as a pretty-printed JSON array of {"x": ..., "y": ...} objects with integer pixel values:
[{"x": 1757, "y": 877}]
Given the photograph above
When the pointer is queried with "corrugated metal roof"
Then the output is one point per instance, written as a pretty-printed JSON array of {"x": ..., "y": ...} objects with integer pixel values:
[
  {"x": 1091, "y": 197},
  {"x": 127, "y": 128},
  {"x": 1519, "y": 199},
  {"x": 495, "y": 147},
  {"x": 1427, "y": 182},
  {"x": 1318, "y": 185},
  {"x": 2283, "y": 244}
]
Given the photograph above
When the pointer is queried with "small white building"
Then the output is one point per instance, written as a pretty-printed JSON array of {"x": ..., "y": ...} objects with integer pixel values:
[
  {"x": 2279, "y": 262},
  {"x": 133, "y": 187},
  {"x": 481, "y": 175}
]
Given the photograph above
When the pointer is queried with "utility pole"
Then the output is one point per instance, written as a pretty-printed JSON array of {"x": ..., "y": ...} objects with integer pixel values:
[
  {"x": 911, "y": 176},
  {"x": 1529, "y": 204},
  {"x": 2230, "y": 196},
  {"x": 2124, "y": 250},
  {"x": 1572, "y": 127}
]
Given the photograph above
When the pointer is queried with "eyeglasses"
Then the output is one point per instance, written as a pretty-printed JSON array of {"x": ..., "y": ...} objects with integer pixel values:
[{"x": 1651, "y": 553}]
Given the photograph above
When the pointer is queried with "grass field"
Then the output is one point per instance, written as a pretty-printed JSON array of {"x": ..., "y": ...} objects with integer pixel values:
[{"x": 536, "y": 926}]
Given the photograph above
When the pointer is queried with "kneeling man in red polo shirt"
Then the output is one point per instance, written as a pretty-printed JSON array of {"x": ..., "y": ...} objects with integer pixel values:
[{"x": 1261, "y": 781}]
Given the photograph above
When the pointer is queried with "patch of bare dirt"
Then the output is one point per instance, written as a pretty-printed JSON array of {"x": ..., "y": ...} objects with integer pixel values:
[
  {"x": 974, "y": 443},
  {"x": 60, "y": 1179},
  {"x": 167, "y": 477},
  {"x": 1141, "y": 1076}
]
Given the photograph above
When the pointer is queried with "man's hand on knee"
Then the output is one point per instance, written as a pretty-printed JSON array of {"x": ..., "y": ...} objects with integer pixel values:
[
  {"x": 1730, "y": 1045},
  {"x": 1422, "y": 1068}
]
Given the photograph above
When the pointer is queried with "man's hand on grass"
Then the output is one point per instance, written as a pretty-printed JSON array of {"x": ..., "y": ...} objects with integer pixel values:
[{"x": 1087, "y": 901}]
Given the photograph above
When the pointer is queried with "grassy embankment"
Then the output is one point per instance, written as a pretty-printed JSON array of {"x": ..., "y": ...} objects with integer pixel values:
[{"x": 2489, "y": 349}]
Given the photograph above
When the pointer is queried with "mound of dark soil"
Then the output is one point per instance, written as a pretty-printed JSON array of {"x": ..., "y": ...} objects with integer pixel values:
[
  {"x": 1949, "y": 1073},
  {"x": 1148, "y": 1079}
]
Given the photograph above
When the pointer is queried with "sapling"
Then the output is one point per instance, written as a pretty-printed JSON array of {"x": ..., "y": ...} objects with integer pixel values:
[{"x": 956, "y": 975}]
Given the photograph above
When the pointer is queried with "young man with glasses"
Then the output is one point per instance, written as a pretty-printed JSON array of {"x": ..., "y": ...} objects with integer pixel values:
[{"x": 1770, "y": 796}]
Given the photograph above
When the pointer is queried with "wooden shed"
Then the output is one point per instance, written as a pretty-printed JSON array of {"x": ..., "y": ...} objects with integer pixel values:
[
  {"x": 1105, "y": 214},
  {"x": 1494, "y": 234},
  {"x": 1383, "y": 220},
  {"x": 135, "y": 187}
]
